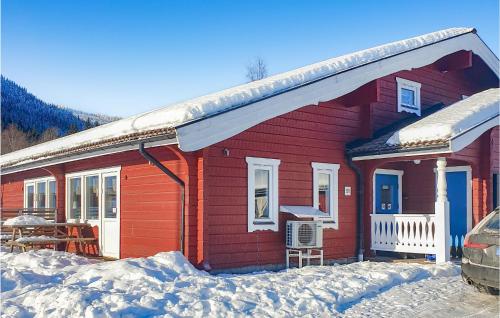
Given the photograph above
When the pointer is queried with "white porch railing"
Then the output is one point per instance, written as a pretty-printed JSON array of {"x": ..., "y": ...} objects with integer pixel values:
[{"x": 408, "y": 233}]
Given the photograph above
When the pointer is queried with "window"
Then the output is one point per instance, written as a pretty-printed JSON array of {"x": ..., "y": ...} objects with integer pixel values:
[
  {"x": 92, "y": 195},
  {"x": 40, "y": 193},
  {"x": 408, "y": 96},
  {"x": 75, "y": 198},
  {"x": 262, "y": 194},
  {"x": 52, "y": 193},
  {"x": 30, "y": 196},
  {"x": 325, "y": 192},
  {"x": 110, "y": 208}
]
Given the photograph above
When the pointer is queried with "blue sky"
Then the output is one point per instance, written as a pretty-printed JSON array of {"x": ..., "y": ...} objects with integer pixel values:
[{"x": 125, "y": 57}]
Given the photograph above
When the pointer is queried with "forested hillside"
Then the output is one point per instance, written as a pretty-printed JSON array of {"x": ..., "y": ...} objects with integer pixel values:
[{"x": 27, "y": 120}]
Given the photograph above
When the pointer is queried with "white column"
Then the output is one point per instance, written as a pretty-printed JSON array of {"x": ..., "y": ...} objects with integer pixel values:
[{"x": 442, "y": 218}]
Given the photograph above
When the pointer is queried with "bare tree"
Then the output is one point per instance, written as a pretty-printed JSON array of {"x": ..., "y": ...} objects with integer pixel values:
[
  {"x": 256, "y": 69},
  {"x": 49, "y": 134},
  {"x": 13, "y": 139}
]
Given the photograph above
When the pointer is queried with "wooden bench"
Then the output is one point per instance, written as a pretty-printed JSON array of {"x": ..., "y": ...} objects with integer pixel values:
[
  {"x": 6, "y": 233},
  {"x": 43, "y": 241}
]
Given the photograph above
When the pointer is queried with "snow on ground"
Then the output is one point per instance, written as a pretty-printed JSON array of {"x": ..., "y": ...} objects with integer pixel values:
[
  {"x": 47, "y": 283},
  {"x": 452, "y": 120}
]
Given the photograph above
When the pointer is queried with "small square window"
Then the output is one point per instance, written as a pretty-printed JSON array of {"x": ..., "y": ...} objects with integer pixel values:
[{"x": 408, "y": 96}]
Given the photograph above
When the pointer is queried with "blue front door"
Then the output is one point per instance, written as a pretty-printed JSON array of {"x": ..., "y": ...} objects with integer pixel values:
[
  {"x": 457, "y": 196},
  {"x": 386, "y": 193}
]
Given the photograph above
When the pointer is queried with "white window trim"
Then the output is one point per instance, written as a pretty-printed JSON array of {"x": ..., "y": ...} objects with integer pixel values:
[
  {"x": 332, "y": 169},
  {"x": 270, "y": 223},
  {"x": 82, "y": 175},
  {"x": 33, "y": 182},
  {"x": 415, "y": 87},
  {"x": 398, "y": 173}
]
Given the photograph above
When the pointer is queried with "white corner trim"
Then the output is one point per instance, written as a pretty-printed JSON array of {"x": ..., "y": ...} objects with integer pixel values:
[
  {"x": 413, "y": 86},
  {"x": 331, "y": 222},
  {"x": 398, "y": 173},
  {"x": 271, "y": 223}
]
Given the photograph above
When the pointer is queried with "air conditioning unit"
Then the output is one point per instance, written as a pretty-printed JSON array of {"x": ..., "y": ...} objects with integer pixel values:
[{"x": 304, "y": 234}]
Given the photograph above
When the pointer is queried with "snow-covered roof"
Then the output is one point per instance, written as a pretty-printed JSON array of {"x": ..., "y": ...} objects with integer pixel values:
[
  {"x": 441, "y": 130},
  {"x": 200, "y": 122},
  {"x": 450, "y": 121}
]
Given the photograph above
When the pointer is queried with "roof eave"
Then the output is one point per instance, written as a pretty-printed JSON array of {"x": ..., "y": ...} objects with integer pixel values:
[{"x": 86, "y": 154}]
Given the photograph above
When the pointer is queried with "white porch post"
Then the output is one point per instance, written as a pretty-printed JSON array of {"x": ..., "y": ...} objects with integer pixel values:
[{"x": 442, "y": 215}]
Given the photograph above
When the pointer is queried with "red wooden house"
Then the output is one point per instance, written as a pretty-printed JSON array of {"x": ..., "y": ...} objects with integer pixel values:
[{"x": 370, "y": 139}]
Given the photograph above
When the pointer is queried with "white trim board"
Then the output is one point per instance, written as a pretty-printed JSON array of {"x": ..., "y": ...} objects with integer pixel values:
[
  {"x": 404, "y": 154},
  {"x": 332, "y": 169},
  {"x": 415, "y": 88},
  {"x": 200, "y": 134},
  {"x": 271, "y": 222},
  {"x": 398, "y": 173},
  {"x": 464, "y": 139}
]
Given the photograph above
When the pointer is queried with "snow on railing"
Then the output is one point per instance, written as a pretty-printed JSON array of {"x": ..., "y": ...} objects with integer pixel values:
[{"x": 408, "y": 233}]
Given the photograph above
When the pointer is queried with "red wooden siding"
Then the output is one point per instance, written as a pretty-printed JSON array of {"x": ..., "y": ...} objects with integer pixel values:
[
  {"x": 150, "y": 204},
  {"x": 12, "y": 191},
  {"x": 436, "y": 88},
  {"x": 216, "y": 184},
  {"x": 311, "y": 134}
]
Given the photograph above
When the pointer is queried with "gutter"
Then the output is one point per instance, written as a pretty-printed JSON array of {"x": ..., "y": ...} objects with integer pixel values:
[
  {"x": 177, "y": 180},
  {"x": 360, "y": 185}
]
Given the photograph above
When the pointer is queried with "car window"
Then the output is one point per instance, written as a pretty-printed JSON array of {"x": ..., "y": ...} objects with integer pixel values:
[{"x": 493, "y": 225}]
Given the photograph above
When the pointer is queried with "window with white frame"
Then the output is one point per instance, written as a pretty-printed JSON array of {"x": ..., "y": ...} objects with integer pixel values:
[
  {"x": 262, "y": 194},
  {"x": 408, "y": 96},
  {"x": 40, "y": 193},
  {"x": 83, "y": 194},
  {"x": 325, "y": 192}
]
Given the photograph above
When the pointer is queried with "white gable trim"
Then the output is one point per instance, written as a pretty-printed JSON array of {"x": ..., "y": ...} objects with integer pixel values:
[
  {"x": 461, "y": 141},
  {"x": 200, "y": 134}
]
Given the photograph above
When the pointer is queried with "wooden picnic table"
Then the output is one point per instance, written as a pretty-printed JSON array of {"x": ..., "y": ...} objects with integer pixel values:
[{"x": 61, "y": 232}]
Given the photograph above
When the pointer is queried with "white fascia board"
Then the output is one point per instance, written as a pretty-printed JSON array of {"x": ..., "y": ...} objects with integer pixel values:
[
  {"x": 203, "y": 133},
  {"x": 403, "y": 154},
  {"x": 461, "y": 141},
  {"x": 82, "y": 156}
]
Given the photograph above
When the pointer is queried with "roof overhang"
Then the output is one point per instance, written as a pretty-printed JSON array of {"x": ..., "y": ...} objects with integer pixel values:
[
  {"x": 112, "y": 149},
  {"x": 464, "y": 139},
  {"x": 454, "y": 144},
  {"x": 202, "y": 133}
]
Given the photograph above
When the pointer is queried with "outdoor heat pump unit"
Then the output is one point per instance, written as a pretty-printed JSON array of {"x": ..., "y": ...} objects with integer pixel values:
[{"x": 304, "y": 234}]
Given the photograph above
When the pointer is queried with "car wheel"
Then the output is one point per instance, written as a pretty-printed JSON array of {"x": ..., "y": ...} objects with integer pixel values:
[
  {"x": 466, "y": 279},
  {"x": 486, "y": 289},
  {"x": 492, "y": 291}
]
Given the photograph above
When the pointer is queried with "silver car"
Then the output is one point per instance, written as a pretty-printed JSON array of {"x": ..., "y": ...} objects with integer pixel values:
[{"x": 481, "y": 254}]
